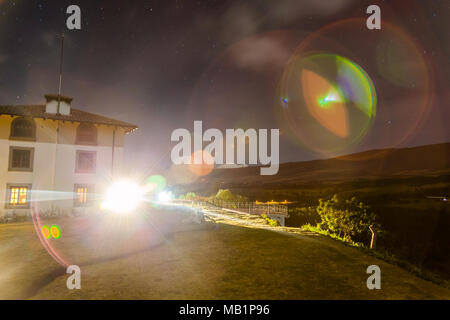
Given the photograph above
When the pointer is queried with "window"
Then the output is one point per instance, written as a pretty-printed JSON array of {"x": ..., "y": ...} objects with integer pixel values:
[
  {"x": 21, "y": 159},
  {"x": 23, "y": 129},
  {"x": 86, "y": 134},
  {"x": 85, "y": 161},
  {"x": 83, "y": 194},
  {"x": 18, "y": 196}
]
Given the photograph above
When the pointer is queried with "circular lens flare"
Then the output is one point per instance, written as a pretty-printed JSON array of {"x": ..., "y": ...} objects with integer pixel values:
[
  {"x": 154, "y": 183},
  {"x": 403, "y": 76},
  {"x": 332, "y": 101},
  {"x": 204, "y": 166}
]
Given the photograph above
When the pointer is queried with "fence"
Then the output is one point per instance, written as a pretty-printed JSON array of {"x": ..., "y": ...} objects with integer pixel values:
[{"x": 248, "y": 207}]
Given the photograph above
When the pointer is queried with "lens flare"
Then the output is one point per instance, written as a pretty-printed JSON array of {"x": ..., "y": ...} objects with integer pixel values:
[
  {"x": 332, "y": 96},
  {"x": 165, "y": 196},
  {"x": 46, "y": 232},
  {"x": 55, "y": 231},
  {"x": 205, "y": 167},
  {"x": 123, "y": 197},
  {"x": 403, "y": 74},
  {"x": 332, "y": 101},
  {"x": 155, "y": 183}
]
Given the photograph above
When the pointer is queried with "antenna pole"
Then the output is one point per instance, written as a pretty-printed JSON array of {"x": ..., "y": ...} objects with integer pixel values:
[{"x": 60, "y": 69}]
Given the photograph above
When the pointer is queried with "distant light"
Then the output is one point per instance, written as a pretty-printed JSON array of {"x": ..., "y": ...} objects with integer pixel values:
[
  {"x": 123, "y": 197},
  {"x": 165, "y": 196}
]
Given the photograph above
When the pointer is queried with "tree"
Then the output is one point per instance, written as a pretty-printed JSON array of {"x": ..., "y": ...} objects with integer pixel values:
[
  {"x": 348, "y": 219},
  {"x": 227, "y": 195}
]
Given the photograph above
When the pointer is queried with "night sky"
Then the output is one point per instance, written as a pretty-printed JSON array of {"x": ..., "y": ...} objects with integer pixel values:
[{"x": 163, "y": 64}]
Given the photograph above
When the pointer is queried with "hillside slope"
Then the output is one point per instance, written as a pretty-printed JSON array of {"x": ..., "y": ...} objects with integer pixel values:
[{"x": 423, "y": 161}]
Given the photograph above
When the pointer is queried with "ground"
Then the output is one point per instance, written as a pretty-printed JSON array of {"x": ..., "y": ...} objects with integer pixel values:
[{"x": 160, "y": 255}]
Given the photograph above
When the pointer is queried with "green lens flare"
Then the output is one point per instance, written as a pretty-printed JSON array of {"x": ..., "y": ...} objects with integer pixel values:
[
  {"x": 156, "y": 183},
  {"x": 55, "y": 231},
  {"x": 332, "y": 96},
  {"x": 332, "y": 102},
  {"x": 357, "y": 85}
]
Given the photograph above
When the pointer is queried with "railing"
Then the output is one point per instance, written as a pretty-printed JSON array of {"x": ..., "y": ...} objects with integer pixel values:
[{"x": 247, "y": 207}]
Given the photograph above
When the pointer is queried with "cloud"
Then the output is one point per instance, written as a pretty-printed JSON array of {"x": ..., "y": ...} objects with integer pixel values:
[
  {"x": 246, "y": 21},
  {"x": 288, "y": 10},
  {"x": 243, "y": 20},
  {"x": 260, "y": 52},
  {"x": 240, "y": 21}
]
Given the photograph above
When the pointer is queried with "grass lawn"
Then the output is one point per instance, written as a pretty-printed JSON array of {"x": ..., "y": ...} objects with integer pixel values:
[{"x": 156, "y": 256}]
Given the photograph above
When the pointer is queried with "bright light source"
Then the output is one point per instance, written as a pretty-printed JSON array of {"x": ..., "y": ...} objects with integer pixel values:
[
  {"x": 123, "y": 197},
  {"x": 165, "y": 196}
]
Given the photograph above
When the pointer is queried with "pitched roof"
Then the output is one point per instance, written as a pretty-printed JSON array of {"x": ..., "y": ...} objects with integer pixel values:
[{"x": 38, "y": 111}]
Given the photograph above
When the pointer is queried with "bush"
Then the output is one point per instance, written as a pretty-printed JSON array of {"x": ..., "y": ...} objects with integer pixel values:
[
  {"x": 347, "y": 219},
  {"x": 271, "y": 222},
  {"x": 188, "y": 196},
  {"x": 309, "y": 227},
  {"x": 227, "y": 195}
]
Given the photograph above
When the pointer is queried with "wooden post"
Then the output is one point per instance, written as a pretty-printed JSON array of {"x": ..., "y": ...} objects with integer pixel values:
[{"x": 373, "y": 242}]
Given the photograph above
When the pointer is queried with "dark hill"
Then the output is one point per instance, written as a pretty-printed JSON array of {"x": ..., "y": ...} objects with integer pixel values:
[{"x": 423, "y": 161}]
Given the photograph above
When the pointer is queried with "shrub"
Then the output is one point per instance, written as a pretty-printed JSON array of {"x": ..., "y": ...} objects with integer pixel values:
[
  {"x": 309, "y": 227},
  {"x": 227, "y": 195},
  {"x": 347, "y": 219},
  {"x": 190, "y": 196},
  {"x": 271, "y": 222}
]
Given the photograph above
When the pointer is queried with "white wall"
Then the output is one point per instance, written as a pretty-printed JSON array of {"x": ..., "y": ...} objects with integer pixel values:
[{"x": 63, "y": 174}]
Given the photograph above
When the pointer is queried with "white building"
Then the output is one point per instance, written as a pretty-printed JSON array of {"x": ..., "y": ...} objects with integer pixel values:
[{"x": 54, "y": 157}]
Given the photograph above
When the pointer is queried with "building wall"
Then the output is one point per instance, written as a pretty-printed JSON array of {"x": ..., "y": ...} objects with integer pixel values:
[
  {"x": 46, "y": 131},
  {"x": 53, "y": 177}
]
